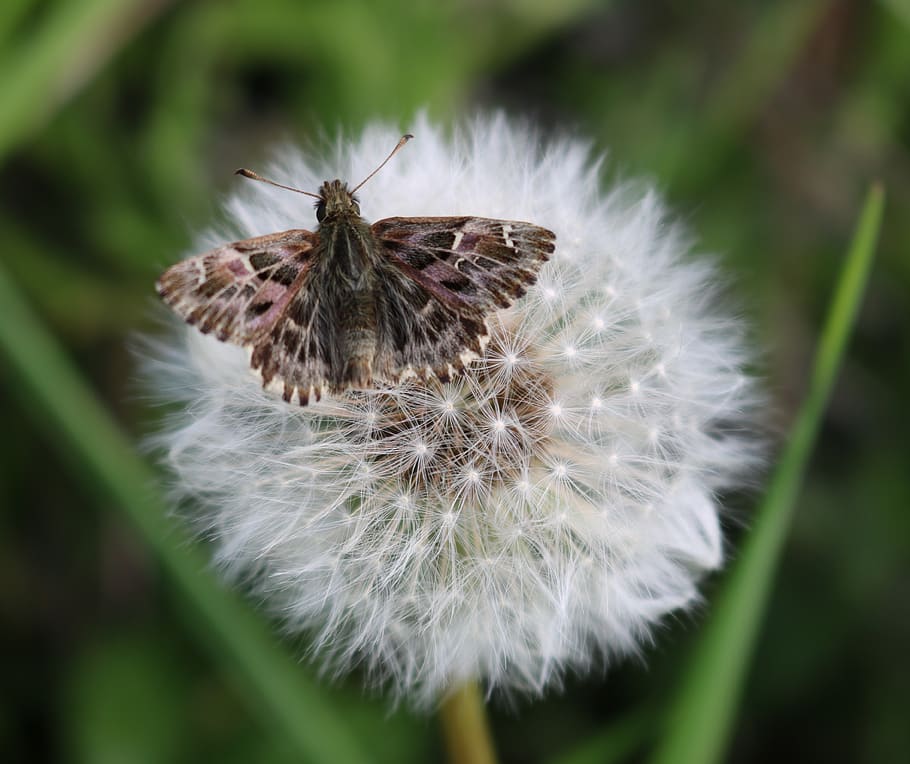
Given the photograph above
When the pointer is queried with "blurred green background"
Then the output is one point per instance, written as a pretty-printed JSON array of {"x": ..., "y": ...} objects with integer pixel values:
[{"x": 763, "y": 123}]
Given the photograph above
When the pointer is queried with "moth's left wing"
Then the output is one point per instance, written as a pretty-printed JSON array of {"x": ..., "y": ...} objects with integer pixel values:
[
  {"x": 238, "y": 291},
  {"x": 473, "y": 265}
]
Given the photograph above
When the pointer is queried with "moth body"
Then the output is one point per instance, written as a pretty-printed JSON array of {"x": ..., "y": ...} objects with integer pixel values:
[
  {"x": 343, "y": 274},
  {"x": 354, "y": 305}
]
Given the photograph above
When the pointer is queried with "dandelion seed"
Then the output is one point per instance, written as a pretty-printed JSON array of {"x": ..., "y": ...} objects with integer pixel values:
[{"x": 436, "y": 533}]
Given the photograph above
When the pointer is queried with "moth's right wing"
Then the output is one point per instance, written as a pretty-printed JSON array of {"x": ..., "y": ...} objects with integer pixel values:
[
  {"x": 441, "y": 278},
  {"x": 473, "y": 265}
]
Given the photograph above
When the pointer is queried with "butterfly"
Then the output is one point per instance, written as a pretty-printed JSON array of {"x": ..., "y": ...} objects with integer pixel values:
[{"x": 358, "y": 306}]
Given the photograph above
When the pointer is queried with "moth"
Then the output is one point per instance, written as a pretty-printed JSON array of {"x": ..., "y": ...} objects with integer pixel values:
[{"x": 353, "y": 305}]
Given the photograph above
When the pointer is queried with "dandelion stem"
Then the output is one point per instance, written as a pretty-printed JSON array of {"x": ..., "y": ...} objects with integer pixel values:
[{"x": 465, "y": 726}]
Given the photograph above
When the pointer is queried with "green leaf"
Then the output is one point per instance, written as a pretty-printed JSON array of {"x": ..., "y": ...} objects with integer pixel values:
[
  {"x": 276, "y": 685},
  {"x": 700, "y": 718}
]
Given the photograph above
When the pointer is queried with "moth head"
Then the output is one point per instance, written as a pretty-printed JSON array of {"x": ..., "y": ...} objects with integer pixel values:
[{"x": 335, "y": 198}]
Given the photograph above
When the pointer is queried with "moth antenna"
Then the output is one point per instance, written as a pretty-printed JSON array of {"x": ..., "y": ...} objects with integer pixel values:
[
  {"x": 404, "y": 140},
  {"x": 256, "y": 176}
]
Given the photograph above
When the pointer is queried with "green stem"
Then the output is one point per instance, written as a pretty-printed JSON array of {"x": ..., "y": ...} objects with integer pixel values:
[{"x": 465, "y": 727}]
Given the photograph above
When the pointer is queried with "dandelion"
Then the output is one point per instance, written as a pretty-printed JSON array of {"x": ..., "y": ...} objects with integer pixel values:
[{"x": 536, "y": 515}]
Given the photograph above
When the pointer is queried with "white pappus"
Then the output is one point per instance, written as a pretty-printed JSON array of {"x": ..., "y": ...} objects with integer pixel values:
[{"x": 534, "y": 516}]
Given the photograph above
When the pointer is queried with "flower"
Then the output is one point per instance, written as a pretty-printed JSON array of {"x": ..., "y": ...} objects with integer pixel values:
[{"x": 536, "y": 515}]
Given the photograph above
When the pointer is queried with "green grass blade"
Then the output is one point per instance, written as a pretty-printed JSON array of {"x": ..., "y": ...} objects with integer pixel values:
[
  {"x": 700, "y": 719},
  {"x": 88, "y": 439}
]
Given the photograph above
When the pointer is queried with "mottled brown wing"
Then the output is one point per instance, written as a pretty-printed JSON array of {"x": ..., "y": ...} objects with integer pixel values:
[
  {"x": 418, "y": 334},
  {"x": 238, "y": 291},
  {"x": 299, "y": 357},
  {"x": 411, "y": 334},
  {"x": 472, "y": 265}
]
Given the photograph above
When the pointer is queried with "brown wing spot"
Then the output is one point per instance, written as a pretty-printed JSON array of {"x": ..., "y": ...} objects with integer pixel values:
[
  {"x": 258, "y": 308},
  {"x": 462, "y": 285},
  {"x": 212, "y": 286},
  {"x": 261, "y": 260},
  {"x": 442, "y": 239},
  {"x": 284, "y": 275},
  {"x": 421, "y": 258},
  {"x": 417, "y": 257}
]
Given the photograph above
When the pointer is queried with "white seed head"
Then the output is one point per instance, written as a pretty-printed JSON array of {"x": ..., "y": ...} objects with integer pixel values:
[{"x": 537, "y": 514}]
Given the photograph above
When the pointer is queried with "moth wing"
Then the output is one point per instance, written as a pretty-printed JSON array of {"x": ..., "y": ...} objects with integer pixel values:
[
  {"x": 297, "y": 356},
  {"x": 468, "y": 263},
  {"x": 238, "y": 291},
  {"x": 415, "y": 334},
  {"x": 436, "y": 281},
  {"x": 420, "y": 335}
]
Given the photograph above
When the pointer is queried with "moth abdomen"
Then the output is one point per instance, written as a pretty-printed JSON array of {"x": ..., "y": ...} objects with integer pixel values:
[{"x": 357, "y": 373}]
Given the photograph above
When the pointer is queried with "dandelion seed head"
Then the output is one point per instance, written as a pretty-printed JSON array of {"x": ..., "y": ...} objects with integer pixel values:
[{"x": 536, "y": 514}]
